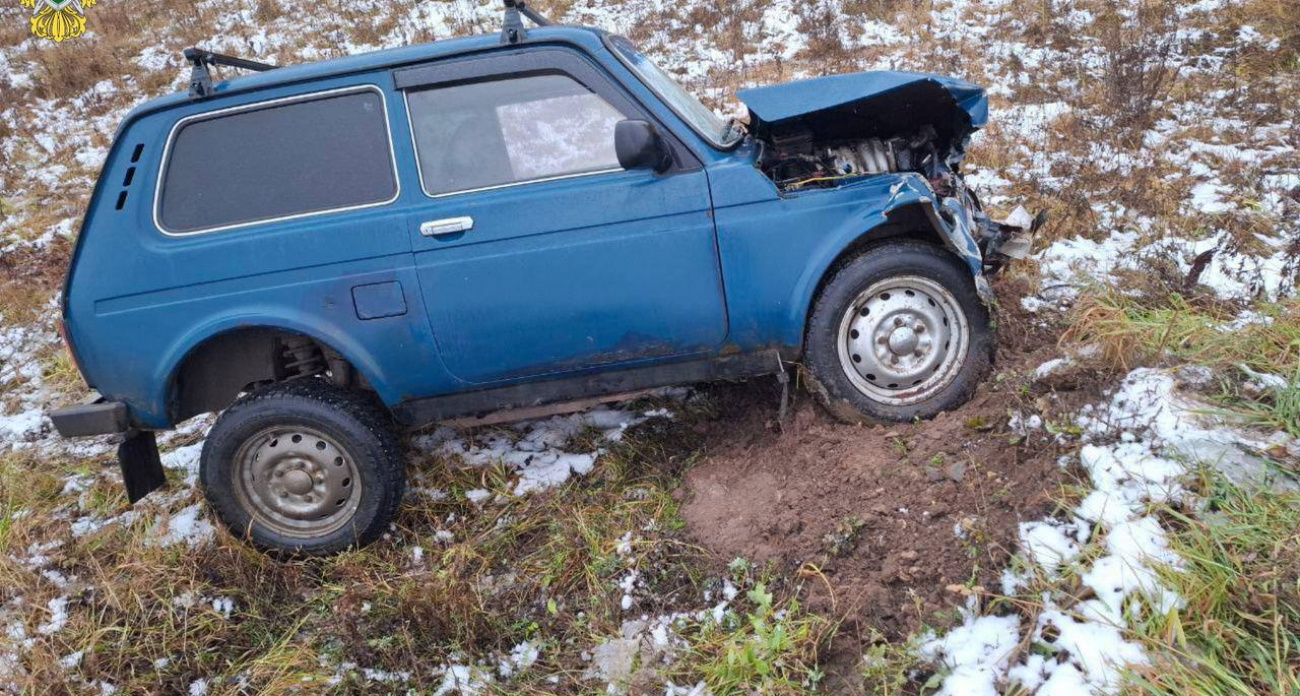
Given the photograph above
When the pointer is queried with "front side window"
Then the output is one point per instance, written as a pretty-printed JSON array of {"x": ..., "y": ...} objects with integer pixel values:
[
  {"x": 276, "y": 161},
  {"x": 508, "y": 131}
]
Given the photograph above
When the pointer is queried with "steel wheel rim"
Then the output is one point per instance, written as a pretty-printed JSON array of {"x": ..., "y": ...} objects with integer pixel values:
[
  {"x": 903, "y": 339},
  {"x": 297, "y": 481}
]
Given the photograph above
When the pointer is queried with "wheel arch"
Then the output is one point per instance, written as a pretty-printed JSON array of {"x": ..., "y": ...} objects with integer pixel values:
[
  {"x": 210, "y": 368},
  {"x": 914, "y": 218}
]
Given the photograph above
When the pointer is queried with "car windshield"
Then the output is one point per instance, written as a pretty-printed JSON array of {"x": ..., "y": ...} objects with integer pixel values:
[{"x": 717, "y": 130}]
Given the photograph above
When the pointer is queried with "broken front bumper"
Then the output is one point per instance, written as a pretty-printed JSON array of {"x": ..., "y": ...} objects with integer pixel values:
[{"x": 142, "y": 470}]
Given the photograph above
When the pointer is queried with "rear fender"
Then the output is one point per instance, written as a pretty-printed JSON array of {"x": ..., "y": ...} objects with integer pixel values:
[{"x": 158, "y": 412}]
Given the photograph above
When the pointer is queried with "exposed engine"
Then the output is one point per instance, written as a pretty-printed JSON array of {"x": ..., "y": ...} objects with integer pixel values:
[
  {"x": 827, "y": 132},
  {"x": 794, "y": 159}
]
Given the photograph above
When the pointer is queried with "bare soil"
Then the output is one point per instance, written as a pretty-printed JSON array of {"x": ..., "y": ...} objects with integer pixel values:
[{"x": 873, "y": 510}]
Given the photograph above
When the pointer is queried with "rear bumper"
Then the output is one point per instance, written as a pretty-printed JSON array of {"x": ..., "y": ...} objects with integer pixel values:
[
  {"x": 137, "y": 454},
  {"x": 94, "y": 415}
]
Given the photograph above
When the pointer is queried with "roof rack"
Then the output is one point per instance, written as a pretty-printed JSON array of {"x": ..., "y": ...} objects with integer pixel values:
[
  {"x": 201, "y": 78},
  {"x": 512, "y": 29}
]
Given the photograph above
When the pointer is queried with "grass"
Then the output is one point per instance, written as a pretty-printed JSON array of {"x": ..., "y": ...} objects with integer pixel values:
[
  {"x": 543, "y": 568},
  {"x": 1274, "y": 408},
  {"x": 1240, "y": 631},
  {"x": 773, "y": 651},
  {"x": 1133, "y": 331}
]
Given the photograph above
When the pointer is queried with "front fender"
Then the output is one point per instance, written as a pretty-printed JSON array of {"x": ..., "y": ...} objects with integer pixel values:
[{"x": 880, "y": 198}]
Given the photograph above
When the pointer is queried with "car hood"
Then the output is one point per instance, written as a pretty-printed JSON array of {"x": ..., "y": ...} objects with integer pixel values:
[{"x": 871, "y": 104}]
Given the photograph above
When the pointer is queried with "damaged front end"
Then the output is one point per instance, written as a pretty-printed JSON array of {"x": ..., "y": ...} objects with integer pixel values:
[{"x": 832, "y": 131}]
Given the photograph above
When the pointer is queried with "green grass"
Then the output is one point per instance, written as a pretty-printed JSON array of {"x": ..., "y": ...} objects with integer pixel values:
[
  {"x": 1276, "y": 407},
  {"x": 769, "y": 649},
  {"x": 1240, "y": 631}
]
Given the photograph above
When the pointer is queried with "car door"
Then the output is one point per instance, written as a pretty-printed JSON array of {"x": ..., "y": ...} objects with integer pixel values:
[{"x": 536, "y": 253}]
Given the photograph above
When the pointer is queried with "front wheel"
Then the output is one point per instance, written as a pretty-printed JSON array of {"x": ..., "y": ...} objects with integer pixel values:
[
  {"x": 898, "y": 333},
  {"x": 304, "y": 467}
]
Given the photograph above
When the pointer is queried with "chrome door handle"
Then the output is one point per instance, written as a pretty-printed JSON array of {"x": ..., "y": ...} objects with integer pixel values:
[{"x": 434, "y": 228}]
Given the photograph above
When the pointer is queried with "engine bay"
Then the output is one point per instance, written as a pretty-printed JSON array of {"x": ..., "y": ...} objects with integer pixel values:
[
  {"x": 827, "y": 132},
  {"x": 795, "y": 159}
]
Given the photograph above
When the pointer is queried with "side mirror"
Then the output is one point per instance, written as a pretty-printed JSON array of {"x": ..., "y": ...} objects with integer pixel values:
[{"x": 639, "y": 146}]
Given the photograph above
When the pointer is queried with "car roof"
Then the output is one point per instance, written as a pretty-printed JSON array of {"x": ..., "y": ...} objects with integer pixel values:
[{"x": 587, "y": 37}]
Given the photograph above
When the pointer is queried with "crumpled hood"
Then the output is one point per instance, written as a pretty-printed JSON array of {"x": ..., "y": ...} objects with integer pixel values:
[{"x": 872, "y": 104}]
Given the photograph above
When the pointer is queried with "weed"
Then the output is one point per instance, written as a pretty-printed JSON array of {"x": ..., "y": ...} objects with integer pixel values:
[
  {"x": 844, "y": 538},
  {"x": 773, "y": 652},
  {"x": 886, "y": 666},
  {"x": 1240, "y": 630}
]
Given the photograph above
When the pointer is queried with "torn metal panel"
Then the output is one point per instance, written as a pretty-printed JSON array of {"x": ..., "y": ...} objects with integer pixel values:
[{"x": 952, "y": 218}]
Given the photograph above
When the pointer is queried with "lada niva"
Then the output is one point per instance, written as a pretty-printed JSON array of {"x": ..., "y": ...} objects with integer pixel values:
[{"x": 492, "y": 224}]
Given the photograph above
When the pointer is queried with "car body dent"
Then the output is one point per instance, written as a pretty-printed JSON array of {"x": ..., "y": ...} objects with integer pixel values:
[
  {"x": 905, "y": 189},
  {"x": 950, "y": 219},
  {"x": 779, "y": 247}
]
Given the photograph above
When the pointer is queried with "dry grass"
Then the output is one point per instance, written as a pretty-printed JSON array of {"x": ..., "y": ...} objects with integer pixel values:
[{"x": 1131, "y": 332}]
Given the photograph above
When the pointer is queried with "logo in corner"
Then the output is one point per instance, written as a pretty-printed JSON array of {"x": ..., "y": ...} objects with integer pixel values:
[{"x": 58, "y": 19}]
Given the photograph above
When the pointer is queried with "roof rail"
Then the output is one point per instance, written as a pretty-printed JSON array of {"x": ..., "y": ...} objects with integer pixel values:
[
  {"x": 512, "y": 29},
  {"x": 201, "y": 79}
]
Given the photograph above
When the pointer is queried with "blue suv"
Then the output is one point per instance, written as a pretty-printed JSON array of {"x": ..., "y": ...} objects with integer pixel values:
[{"x": 504, "y": 223}]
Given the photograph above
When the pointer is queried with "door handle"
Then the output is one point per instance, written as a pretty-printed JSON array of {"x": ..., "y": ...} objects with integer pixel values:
[{"x": 435, "y": 228}]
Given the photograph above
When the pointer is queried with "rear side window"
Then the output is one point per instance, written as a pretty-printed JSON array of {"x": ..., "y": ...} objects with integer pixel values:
[
  {"x": 276, "y": 161},
  {"x": 508, "y": 131}
]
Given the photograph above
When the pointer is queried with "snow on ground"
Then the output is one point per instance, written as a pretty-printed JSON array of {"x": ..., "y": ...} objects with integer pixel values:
[
  {"x": 1138, "y": 448},
  {"x": 536, "y": 450},
  {"x": 21, "y": 373},
  {"x": 1070, "y": 263}
]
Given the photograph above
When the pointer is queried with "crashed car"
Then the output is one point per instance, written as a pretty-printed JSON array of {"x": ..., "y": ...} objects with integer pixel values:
[{"x": 500, "y": 227}]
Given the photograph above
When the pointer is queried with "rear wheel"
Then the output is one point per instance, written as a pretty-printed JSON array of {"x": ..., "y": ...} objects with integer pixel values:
[
  {"x": 304, "y": 467},
  {"x": 898, "y": 333}
]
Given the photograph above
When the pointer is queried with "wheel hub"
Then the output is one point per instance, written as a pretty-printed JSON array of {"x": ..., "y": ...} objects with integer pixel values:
[
  {"x": 297, "y": 481},
  {"x": 902, "y": 339}
]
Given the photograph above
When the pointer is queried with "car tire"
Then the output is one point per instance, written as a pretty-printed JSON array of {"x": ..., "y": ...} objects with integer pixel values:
[
  {"x": 304, "y": 467},
  {"x": 898, "y": 333}
]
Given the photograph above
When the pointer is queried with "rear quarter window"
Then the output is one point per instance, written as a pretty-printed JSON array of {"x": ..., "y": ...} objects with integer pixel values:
[{"x": 281, "y": 159}]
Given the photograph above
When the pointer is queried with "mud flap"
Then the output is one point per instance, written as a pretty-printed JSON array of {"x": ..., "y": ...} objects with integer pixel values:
[{"x": 142, "y": 469}]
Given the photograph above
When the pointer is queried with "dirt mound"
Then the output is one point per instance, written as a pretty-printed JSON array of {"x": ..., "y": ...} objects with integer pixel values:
[{"x": 891, "y": 515}]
